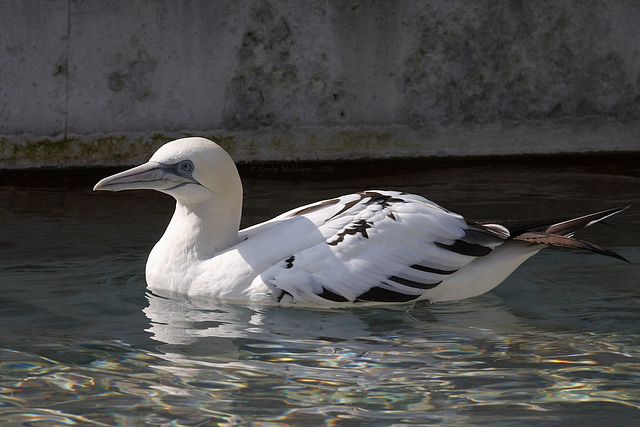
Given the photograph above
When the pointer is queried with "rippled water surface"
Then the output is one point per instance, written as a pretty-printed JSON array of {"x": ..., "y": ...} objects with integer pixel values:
[{"x": 83, "y": 343}]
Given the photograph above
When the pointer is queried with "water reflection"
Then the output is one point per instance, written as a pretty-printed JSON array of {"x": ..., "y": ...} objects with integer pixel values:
[
  {"x": 183, "y": 322},
  {"x": 385, "y": 364}
]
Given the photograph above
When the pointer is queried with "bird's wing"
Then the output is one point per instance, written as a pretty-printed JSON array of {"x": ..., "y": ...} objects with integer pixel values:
[{"x": 377, "y": 246}]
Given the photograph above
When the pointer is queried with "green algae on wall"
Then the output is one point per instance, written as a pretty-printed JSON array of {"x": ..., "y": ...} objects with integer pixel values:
[
  {"x": 320, "y": 143},
  {"x": 76, "y": 151}
]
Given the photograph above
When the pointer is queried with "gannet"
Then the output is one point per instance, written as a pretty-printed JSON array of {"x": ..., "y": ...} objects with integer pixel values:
[{"x": 375, "y": 246}]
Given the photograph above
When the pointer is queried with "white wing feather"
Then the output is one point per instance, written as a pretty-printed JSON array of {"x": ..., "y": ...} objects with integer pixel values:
[{"x": 378, "y": 246}]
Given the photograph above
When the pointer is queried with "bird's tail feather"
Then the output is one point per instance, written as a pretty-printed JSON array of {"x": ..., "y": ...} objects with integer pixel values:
[
  {"x": 559, "y": 233},
  {"x": 568, "y": 227},
  {"x": 567, "y": 242}
]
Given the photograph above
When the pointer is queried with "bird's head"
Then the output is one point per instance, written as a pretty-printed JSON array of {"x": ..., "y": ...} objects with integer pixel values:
[{"x": 192, "y": 170}]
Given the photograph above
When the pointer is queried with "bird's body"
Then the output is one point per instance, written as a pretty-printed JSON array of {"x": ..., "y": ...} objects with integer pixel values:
[{"x": 370, "y": 247}]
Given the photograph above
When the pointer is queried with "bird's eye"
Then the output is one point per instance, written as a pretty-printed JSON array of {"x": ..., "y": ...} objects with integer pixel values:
[{"x": 185, "y": 167}]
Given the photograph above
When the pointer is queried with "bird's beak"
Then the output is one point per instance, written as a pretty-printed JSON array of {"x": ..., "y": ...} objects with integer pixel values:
[{"x": 148, "y": 176}]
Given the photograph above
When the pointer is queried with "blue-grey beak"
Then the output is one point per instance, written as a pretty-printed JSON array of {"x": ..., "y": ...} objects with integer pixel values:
[{"x": 148, "y": 176}]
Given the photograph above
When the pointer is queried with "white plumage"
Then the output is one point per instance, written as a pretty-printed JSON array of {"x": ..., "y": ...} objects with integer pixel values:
[{"x": 370, "y": 247}]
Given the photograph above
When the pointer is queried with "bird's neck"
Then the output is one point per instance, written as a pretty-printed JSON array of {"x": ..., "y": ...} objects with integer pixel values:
[
  {"x": 204, "y": 230},
  {"x": 195, "y": 234},
  {"x": 198, "y": 231}
]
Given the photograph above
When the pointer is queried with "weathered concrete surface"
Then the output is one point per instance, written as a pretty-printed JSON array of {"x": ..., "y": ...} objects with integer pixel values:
[{"x": 93, "y": 82}]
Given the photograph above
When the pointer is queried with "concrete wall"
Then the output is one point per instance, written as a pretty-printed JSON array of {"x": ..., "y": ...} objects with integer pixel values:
[{"x": 106, "y": 82}]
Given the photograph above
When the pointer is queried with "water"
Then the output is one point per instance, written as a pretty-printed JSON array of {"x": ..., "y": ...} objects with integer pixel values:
[{"x": 83, "y": 343}]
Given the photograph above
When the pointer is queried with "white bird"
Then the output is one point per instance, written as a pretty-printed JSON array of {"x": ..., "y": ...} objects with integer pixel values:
[{"x": 369, "y": 247}]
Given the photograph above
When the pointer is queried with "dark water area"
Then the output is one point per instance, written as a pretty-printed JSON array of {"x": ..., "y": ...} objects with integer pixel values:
[{"x": 82, "y": 341}]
